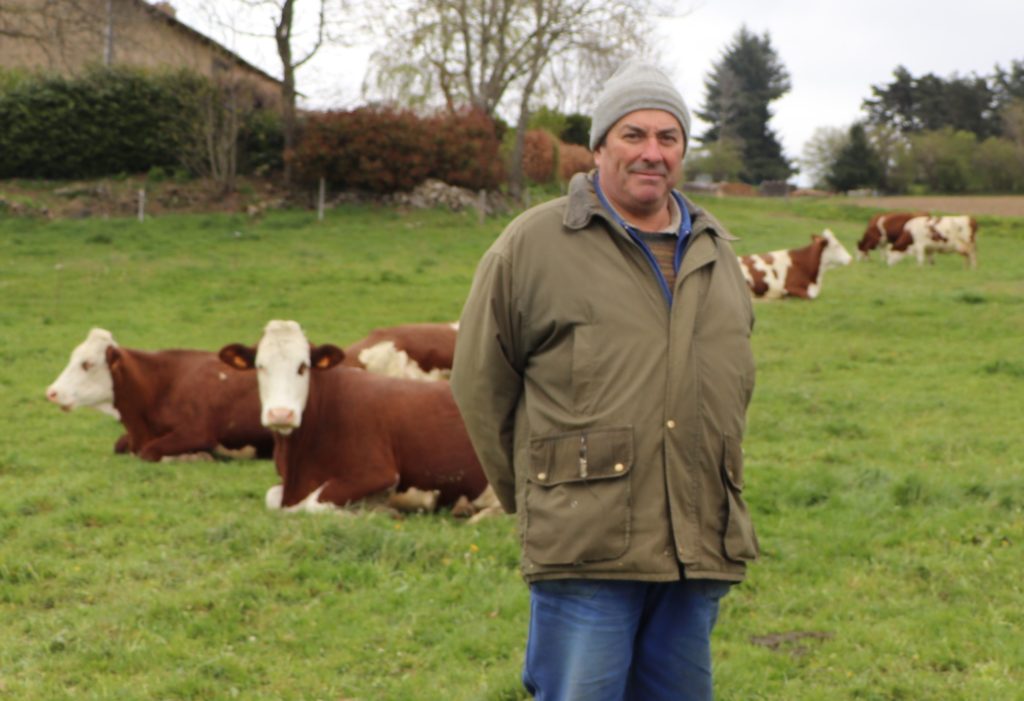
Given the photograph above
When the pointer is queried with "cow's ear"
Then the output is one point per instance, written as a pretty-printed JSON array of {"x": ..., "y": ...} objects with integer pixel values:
[
  {"x": 113, "y": 354},
  {"x": 326, "y": 356},
  {"x": 238, "y": 356}
]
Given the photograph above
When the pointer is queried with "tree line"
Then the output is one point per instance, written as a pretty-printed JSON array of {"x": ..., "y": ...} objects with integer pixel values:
[
  {"x": 929, "y": 134},
  {"x": 510, "y": 57}
]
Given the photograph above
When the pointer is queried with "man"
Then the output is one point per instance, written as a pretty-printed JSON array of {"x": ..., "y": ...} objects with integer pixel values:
[{"x": 603, "y": 370}]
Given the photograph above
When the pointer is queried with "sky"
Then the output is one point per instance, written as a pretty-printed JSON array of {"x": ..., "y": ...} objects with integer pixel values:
[{"x": 834, "y": 52}]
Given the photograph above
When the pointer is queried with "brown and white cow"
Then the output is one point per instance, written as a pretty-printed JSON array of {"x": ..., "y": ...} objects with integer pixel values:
[
  {"x": 794, "y": 273},
  {"x": 171, "y": 402},
  {"x": 342, "y": 434},
  {"x": 416, "y": 351},
  {"x": 883, "y": 228},
  {"x": 926, "y": 236}
]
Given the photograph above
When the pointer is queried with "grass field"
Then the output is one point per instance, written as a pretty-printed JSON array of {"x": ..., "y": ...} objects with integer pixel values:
[{"x": 885, "y": 475}]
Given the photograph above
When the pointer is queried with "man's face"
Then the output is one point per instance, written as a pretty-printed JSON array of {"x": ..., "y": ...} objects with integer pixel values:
[{"x": 641, "y": 160}]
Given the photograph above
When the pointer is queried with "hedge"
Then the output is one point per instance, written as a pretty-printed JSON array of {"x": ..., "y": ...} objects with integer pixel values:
[
  {"x": 386, "y": 150},
  {"x": 109, "y": 121}
]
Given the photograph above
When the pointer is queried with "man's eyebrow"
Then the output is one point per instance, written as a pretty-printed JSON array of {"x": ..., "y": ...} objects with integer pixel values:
[{"x": 660, "y": 132}]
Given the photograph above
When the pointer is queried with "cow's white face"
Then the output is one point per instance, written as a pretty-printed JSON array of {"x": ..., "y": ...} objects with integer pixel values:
[
  {"x": 835, "y": 254},
  {"x": 86, "y": 380},
  {"x": 283, "y": 369}
]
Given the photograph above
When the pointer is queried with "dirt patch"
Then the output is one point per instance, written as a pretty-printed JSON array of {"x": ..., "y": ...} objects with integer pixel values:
[
  {"x": 994, "y": 205},
  {"x": 792, "y": 642}
]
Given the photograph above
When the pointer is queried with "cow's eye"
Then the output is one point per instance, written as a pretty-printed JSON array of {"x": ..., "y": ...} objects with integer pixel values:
[
  {"x": 86, "y": 365},
  {"x": 302, "y": 369}
]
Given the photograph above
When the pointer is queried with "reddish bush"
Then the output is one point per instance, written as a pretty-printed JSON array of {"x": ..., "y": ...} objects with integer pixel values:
[
  {"x": 539, "y": 154},
  {"x": 572, "y": 159},
  {"x": 466, "y": 150},
  {"x": 388, "y": 150}
]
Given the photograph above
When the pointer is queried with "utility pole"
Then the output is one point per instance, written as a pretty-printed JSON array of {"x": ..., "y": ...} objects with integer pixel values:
[{"x": 108, "y": 36}]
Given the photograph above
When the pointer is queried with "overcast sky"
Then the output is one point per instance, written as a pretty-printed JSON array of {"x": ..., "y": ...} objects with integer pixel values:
[{"x": 834, "y": 51}]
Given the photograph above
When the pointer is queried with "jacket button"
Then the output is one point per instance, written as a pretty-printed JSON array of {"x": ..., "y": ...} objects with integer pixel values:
[
  {"x": 542, "y": 476},
  {"x": 619, "y": 467},
  {"x": 671, "y": 423}
]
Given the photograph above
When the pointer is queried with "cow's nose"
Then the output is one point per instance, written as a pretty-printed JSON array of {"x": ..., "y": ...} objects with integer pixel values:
[
  {"x": 51, "y": 394},
  {"x": 279, "y": 416}
]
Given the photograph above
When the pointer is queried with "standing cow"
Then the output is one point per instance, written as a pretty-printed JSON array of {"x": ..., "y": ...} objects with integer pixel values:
[
  {"x": 926, "y": 236},
  {"x": 796, "y": 272},
  {"x": 171, "y": 402},
  {"x": 342, "y": 434},
  {"x": 884, "y": 228}
]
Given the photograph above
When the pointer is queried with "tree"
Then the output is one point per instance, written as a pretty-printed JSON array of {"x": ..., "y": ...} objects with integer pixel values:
[
  {"x": 943, "y": 159},
  {"x": 857, "y": 165},
  {"x": 492, "y": 54},
  {"x": 929, "y": 103},
  {"x": 283, "y": 14},
  {"x": 821, "y": 152},
  {"x": 721, "y": 160},
  {"x": 742, "y": 84}
]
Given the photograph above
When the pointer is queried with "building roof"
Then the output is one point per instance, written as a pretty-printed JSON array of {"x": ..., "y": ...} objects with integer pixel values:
[{"x": 166, "y": 15}]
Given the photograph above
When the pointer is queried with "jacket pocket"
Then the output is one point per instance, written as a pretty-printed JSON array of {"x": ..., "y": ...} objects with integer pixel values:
[
  {"x": 578, "y": 496},
  {"x": 739, "y": 541}
]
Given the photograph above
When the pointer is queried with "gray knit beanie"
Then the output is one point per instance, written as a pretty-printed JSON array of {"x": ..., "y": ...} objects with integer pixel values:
[{"x": 636, "y": 86}]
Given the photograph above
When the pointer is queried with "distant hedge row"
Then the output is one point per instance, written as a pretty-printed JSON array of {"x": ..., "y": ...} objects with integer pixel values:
[
  {"x": 108, "y": 121},
  {"x": 119, "y": 120},
  {"x": 386, "y": 150}
]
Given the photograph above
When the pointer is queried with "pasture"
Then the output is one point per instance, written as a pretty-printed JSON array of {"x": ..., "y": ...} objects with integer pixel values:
[{"x": 885, "y": 471}]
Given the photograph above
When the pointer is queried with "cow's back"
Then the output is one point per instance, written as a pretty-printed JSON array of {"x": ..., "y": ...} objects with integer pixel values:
[{"x": 432, "y": 346}]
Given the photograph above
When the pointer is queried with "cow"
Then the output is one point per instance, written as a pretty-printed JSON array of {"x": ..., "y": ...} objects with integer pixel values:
[
  {"x": 925, "y": 236},
  {"x": 342, "y": 434},
  {"x": 172, "y": 403},
  {"x": 417, "y": 351},
  {"x": 883, "y": 228},
  {"x": 794, "y": 273}
]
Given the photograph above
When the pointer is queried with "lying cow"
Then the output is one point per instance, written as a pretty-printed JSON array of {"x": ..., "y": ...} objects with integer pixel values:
[
  {"x": 884, "y": 229},
  {"x": 794, "y": 273},
  {"x": 415, "y": 351},
  {"x": 171, "y": 402},
  {"x": 926, "y": 236},
  {"x": 342, "y": 434}
]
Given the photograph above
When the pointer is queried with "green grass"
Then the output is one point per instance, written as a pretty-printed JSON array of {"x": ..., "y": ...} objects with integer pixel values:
[{"x": 884, "y": 456}]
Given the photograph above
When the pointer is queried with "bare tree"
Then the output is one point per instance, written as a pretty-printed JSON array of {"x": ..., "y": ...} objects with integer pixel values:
[
  {"x": 494, "y": 53},
  {"x": 295, "y": 47}
]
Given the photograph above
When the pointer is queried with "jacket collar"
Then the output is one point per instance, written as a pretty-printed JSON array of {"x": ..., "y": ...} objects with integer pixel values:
[{"x": 584, "y": 206}]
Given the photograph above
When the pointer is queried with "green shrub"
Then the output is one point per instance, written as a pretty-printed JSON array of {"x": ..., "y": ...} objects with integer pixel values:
[{"x": 115, "y": 120}]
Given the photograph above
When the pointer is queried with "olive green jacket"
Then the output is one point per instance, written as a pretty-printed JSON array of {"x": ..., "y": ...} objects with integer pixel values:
[{"x": 609, "y": 421}]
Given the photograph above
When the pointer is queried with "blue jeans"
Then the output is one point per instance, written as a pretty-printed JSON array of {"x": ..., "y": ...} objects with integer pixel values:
[{"x": 609, "y": 640}]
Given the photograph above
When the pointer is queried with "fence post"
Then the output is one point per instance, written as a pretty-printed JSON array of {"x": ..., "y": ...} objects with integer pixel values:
[
  {"x": 481, "y": 206},
  {"x": 320, "y": 200},
  {"x": 142, "y": 204}
]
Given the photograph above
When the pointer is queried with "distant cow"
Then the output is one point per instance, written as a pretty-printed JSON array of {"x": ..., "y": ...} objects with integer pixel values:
[
  {"x": 342, "y": 434},
  {"x": 794, "y": 273},
  {"x": 415, "y": 351},
  {"x": 925, "y": 236},
  {"x": 171, "y": 402},
  {"x": 883, "y": 228}
]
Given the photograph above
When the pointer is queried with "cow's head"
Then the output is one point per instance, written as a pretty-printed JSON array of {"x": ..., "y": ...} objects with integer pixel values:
[
  {"x": 834, "y": 254},
  {"x": 86, "y": 381},
  {"x": 283, "y": 360}
]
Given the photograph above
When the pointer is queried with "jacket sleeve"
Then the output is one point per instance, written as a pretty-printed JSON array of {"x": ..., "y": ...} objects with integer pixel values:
[{"x": 487, "y": 377}]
